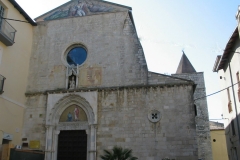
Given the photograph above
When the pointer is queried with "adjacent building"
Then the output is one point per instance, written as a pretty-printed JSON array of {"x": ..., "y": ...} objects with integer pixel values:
[
  {"x": 227, "y": 66},
  {"x": 15, "y": 49},
  {"x": 218, "y": 141}
]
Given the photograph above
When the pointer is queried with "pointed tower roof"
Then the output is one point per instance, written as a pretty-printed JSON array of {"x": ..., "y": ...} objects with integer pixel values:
[{"x": 185, "y": 65}]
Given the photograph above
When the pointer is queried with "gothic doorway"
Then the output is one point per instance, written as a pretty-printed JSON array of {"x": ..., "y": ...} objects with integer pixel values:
[
  {"x": 72, "y": 144},
  {"x": 71, "y": 125}
]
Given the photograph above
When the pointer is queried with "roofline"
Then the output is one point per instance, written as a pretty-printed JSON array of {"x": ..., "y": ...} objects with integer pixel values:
[
  {"x": 217, "y": 129},
  {"x": 216, "y": 63},
  {"x": 172, "y": 76},
  {"x": 227, "y": 50},
  {"x": 238, "y": 12},
  {"x": 71, "y": 1},
  {"x": 112, "y": 88},
  {"x": 25, "y": 15},
  {"x": 51, "y": 10},
  {"x": 130, "y": 8},
  {"x": 131, "y": 17}
]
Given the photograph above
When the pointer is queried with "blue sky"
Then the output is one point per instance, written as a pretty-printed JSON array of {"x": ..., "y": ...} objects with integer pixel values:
[{"x": 166, "y": 27}]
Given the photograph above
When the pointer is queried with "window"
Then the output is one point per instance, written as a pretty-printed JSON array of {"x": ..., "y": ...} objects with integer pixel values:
[
  {"x": 229, "y": 102},
  {"x": 237, "y": 74},
  {"x": 76, "y": 56},
  {"x": 233, "y": 128},
  {"x": 195, "y": 110},
  {"x": 1, "y": 83},
  {"x": 7, "y": 31}
]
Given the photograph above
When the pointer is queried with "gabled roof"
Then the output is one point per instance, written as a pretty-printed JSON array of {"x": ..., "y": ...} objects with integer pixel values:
[
  {"x": 185, "y": 65},
  {"x": 21, "y": 11},
  {"x": 80, "y": 8},
  {"x": 227, "y": 52}
]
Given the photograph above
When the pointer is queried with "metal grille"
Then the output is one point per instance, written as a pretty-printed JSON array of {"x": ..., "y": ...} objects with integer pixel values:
[{"x": 72, "y": 145}]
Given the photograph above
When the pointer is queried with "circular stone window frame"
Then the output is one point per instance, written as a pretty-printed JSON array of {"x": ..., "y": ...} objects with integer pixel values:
[
  {"x": 65, "y": 53},
  {"x": 156, "y": 113}
]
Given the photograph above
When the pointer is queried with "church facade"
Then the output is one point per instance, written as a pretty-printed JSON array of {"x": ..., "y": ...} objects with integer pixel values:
[{"x": 89, "y": 89}]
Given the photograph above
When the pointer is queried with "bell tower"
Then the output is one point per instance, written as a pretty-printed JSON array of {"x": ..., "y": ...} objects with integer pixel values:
[{"x": 186, "y": 70}]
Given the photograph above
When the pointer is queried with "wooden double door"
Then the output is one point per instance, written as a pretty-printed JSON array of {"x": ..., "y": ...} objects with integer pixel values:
[{"x": 72, "y": 145}]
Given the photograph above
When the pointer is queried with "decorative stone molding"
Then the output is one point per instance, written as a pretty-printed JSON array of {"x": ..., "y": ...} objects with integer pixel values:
[
  {"x": 54, "y": 127},
  {"x": 55, "y": 113},
  {"x": 72, "y": 126}
]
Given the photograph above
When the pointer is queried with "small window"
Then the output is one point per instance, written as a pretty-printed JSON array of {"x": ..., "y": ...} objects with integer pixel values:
[
  {"x": 229, "y": 101},
  {"x": 2, "y": 79},
  {"x": 76, "y": 56},
  {"x": 195, "y": 110},
  {"x": 233, "y": 128}
]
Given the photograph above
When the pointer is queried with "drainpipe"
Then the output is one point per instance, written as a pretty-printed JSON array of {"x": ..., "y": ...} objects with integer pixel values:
[{"x": 235, "y": 104}]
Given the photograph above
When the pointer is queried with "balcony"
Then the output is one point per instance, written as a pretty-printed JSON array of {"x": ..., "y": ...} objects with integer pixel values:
[
  {"x": 1, "y": 83},
  {"x": 7, "y": 33}
]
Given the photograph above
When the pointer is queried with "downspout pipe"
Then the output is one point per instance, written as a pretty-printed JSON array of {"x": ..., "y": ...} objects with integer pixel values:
[{"x": 235, "y": 104}]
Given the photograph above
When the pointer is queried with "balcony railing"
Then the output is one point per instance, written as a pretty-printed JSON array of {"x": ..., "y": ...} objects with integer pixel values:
[
  {"x": 1, "y": 83},
  {"x": 7, "y": 32}
]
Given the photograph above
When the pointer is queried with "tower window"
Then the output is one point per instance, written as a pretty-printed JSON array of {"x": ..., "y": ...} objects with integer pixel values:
[{"x": 195, "y": 110}]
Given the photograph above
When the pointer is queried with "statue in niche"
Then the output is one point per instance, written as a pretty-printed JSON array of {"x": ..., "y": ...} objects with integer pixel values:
[
  {"x": 72, "y": 77},
  {"x": 72, "y": 83}
]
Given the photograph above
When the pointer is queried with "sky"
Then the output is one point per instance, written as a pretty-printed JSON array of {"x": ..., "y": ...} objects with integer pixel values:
[{"x": 166, "y": 27}]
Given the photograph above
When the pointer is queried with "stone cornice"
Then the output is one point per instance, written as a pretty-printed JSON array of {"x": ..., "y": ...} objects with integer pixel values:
[{"x": 92, "y": 89}]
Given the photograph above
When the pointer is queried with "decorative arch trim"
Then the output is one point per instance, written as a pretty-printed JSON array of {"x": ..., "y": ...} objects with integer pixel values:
[{"x": 67, "y": 101}]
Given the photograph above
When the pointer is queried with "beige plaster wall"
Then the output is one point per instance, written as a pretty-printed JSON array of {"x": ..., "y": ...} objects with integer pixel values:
[
  {"x": 14, "y": 65},
  {"x": 219, "y": 147}
]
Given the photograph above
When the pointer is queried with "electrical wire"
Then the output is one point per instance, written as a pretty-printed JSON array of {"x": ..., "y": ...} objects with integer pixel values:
[
  {"x": 215, "y": 92},
  {"x": 14, "y": 20}
]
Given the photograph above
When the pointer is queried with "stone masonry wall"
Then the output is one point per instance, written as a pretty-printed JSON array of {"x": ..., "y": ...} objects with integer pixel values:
[
  {"x": 157, "y": 78},
  {"x": 34, "y": 119},
  {"x": 113, "y": 48},
  {"x": 123, "y": 121},
  {"x": 202, "y": 119}
]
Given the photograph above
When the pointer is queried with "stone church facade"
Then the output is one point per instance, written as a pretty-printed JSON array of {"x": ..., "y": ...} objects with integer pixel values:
[{"x": 89, "y": 89}]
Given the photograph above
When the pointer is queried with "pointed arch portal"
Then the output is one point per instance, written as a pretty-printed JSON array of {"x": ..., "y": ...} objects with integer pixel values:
[{"x": 70, "y": 129}]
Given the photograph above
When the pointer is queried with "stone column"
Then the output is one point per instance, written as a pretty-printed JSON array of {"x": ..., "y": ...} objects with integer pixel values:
[
  {"x": 55, "y": 145},
  {"x": 48, "y": 147},
  {"x": 92, "y": 151}
]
